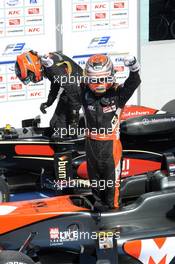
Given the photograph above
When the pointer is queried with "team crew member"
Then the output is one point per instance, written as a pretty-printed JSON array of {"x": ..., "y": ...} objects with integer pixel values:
[
  {"x": 61, "y": 71},
  {"x": 103, "y": 100}
]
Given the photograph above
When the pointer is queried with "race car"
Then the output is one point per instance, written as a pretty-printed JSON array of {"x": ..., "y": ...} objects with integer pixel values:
[
  {"x": 30, "y": 158},
  {"x": 66, "y": 229}
]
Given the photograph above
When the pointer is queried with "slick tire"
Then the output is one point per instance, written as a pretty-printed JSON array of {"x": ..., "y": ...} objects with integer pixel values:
[
  {"x": 169, "y": 107},
  {"x": 4, "y": 191},
  {"x": 14, "y": 257}
]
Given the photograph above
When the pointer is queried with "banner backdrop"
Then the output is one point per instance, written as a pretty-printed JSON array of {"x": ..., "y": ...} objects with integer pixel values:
[
  {"x": 24, "y": 25},
  {"x": 95, "y": 26}
]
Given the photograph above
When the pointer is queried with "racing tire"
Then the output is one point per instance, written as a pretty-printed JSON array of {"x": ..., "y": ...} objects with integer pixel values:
[
  {"x": 16, "y": 257},
  {"x": 169, "y": 107},
  {"x": 4, "y": 191}
]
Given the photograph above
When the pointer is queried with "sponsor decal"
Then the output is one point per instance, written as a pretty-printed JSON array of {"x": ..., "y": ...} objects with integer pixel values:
[
  {"x": 119, "y": 5},
  {"x": 84, "y": 16},
  {"x": 119, "y": 68},
  {"x": 81, "y": 62},
  {"x": 58, "y": 237},
  {"x": 119, "y": 24},
  {"x": 81, "y": 7},
  {"x": 34, "y": 30},
  {"x": 81, "y": 26},
  {"x": 14, "y": 22},
  {"x": 14, "y": 12},
  {"x": 152, "y": 251},
  {"x": 35, "y": 94},
  {"x": 101, "y": 42},
  {"x": 33, "y": 11},
  {"x": 16, "y": 96},
  {"x": 120, "y": 59},
  {"x": 33, "y": 1},
  {"x": 14, "y": 49},
  {"x": 15, "y": 32},
  {"x": 147, "y": 121},
  {"x": 120, "y": 15},
  {"x": 100, "y": 25},
  {"x": 34, "y": 20},
  {"x": 15, "y": 87},
  {"x": 62, "y": 161},
  {"x": 54, "y": 234},
  {"x": 62, "y": 169},
  {"x": 13, "y": 78},
  {"x": 128, "y": 112},
  {"x": 12, "y": 2},
  {"x": 100, "y": 6},
  {"x": 100, "y": 15},
  {"x": 125, "y": 167},
  {"x": 108, "y": 109},
  {"x": 132, "y": 167}
]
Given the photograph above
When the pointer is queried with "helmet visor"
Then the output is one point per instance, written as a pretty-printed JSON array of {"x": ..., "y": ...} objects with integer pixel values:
[{"x": 99, "y": 88}]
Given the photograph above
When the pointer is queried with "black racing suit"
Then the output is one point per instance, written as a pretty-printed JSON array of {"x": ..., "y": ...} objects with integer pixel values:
[
  {"x": 103, "y": 147},
  {"x": 61, "y": 73}
]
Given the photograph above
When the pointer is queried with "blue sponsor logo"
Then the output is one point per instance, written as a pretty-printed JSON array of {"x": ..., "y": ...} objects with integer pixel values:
[
  {"x": 33, "y": 1},
  {"x": 101, "y": 42},
  {"x": 12, "y": 2},
  {"x": 14, "y": 49},
  {"x": 81, "y": 62},
  {"x": 120, "y": 59}
]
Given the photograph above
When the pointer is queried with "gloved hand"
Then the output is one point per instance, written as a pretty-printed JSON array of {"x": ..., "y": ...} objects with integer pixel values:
[
  {"x": 43, "y": 107},
  {"x": 73, "y": 123},
  {"x": 132, "y": 63}
]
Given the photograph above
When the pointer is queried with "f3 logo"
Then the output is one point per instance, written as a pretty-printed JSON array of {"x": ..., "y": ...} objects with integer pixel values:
[{"x": 99, "y": 41}]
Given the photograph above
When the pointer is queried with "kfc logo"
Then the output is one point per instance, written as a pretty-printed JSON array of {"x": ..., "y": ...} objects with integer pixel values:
[
  {"x": 35, "y": 94},
  {"x": 34, "y": 30},
  {"x": 13, "y": 78},
  {"x": 14, "y": 13},
  {"x": 100, "y": 6}
]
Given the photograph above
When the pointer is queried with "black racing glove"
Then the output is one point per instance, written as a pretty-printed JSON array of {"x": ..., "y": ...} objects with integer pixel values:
[
  {"x": 43, "y": 107},
  {"x": 74, "y": 118}
]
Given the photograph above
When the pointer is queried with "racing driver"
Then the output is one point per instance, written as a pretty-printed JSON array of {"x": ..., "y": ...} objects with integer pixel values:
[
  {"x": 60, "y": 70},
  {"x": 103, "y": 100}
]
